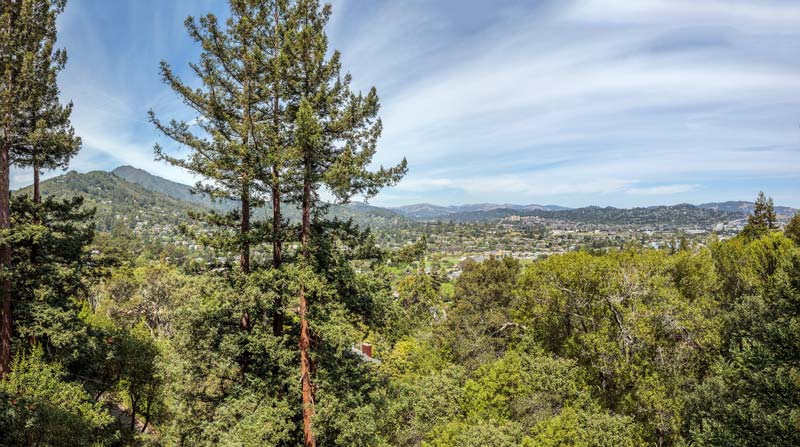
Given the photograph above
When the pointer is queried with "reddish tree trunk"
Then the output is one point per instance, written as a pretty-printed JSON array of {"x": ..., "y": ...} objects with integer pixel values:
[
  {"x": 6, "y": 319},
  {"x": 305, "y": 337},
  {"x": 305, "y": 373}
]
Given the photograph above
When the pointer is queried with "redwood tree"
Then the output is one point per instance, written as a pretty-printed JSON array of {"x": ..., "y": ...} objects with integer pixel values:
[
  {"x": 336, "y": 134},
  {"x": 237, "y": 138},
  {"x": 30, "y": 116}
]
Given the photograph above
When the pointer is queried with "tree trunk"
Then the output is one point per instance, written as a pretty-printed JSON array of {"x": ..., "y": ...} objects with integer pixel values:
[
  {"x": 305, "y": 372},
  {"x": 244, "y": 257},
  {"x": 37, "y": 200},
  {"x": 133, "y": 414},
  {"x": 277, "y": 250},
  {"x": 6, "y": 320},
  {"x": 37, "y": 196},
  {"x": 305, "y": 337}
]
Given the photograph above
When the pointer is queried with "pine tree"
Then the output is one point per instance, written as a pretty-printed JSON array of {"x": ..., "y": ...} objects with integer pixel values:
[
  {"x": 51, "y": 141},
  {"x": 275, "y": 100},
  {"x": 49, "y": 287},
  {"x": 239, "y": 140},
  {"x": 792, "y": 230},
  {"x": 276, "y": 118},
  {"x": 771, "y": 216},
  {"x": 27, "y": 36},
  {"x": 222, "y": 152},
  {"x": 763, "y": 218},
  {"x": 10, "y": 57},
  {"x": 336, "y": 136}
]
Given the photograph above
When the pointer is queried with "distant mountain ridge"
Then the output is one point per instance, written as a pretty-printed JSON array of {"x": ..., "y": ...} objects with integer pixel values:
[
  {"x": 492, "y": 211},
  {"x": 169, "y": 188},
  {"x": 186, "y": 193},
  {"x": 116, "y": 200},
  {"x": 422, "y": 211},
  {"x": 129, "y": 190},
  {"x": 674, "y": 215},
  {"x": 429, "y": 211},
  {"x": 745, "y": 207},
  {"x": 132, "y": 195}
]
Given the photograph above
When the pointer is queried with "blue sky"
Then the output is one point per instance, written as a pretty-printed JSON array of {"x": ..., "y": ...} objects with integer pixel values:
[{"x": 584, "y": 102}]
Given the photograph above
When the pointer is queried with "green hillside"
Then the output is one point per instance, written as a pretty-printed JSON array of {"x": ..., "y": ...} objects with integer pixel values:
[
  {"x": 118, "y": 201},
  {"x": 169, "y": 188},
  {"x": 361, "y": 213},
  {"x": 150, "y": 203}
]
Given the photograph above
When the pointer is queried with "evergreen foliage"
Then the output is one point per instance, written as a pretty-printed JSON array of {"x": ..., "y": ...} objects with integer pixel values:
[
  {"x": 792, "y": 230},
  {"x": 763, "y": 218},
  {"x": 332, "y": 340},
  {"x": 36, "y": 130}
]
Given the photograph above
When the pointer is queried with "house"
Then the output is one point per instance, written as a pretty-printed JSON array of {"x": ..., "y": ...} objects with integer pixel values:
[{"x": 365, "y": 353}]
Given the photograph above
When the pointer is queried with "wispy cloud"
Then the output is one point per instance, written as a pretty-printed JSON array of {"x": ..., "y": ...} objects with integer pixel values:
[
  {"x": 663, "y": 189},
  {"x": 625, "y": 93},
  {"x": 571, "y": 102}
]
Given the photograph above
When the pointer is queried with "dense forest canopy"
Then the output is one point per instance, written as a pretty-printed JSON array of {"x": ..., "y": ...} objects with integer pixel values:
[{"x": 333, "y": 339}]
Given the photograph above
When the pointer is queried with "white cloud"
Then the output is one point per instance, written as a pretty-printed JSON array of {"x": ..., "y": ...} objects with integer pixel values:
[
  {"x": 585, "y": 101},
  {"x": 762, "y": 15},
  {"x": 617, "y": 90},
  {"x": 663, "y": 189}
]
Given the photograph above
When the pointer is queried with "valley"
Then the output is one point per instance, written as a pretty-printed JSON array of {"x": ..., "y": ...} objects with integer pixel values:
[{"x": 157, "y": 212}]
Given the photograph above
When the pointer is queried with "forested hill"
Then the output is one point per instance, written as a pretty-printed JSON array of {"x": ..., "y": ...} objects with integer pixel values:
[
  {"x": 169, "y": 188},
  {"x": 739, "y": 206},
  {"x": 683, "y": 214},
  {"x": 137, "y": 198},
  {"x": 360, "y": 212},
  {"x": 425, "y": 211},
  {"x": 116, "y": 200}
]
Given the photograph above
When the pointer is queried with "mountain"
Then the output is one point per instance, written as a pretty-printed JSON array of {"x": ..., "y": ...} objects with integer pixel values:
[
  {"x": 426, "y": 211},
  {"x": 745, "y": 208},
  {"x": 683, "y": 213},
  {"x": 172, "y": 189},
  {"x": 675, "y": 215},
  {"x": 361, "y": 213},
  {"x": 535, "y": 207},
  {"x": 423, "y": 211},
  {"x": 154, "y": 205},
  {"x": 143, "y": 200},
  {"x": 117, "y": 201}
]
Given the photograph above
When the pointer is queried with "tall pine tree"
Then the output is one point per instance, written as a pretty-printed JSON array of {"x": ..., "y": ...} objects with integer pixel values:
[
  {"x": 223, "y": 145},
  {"x": 763, "y": 218},
  {"x": 336, "y": 134},
  {"x": 51, "y": 141},
  {"x": 239, "y": 138},
  {"x": 276, "y": 118},
  {"x": 30, "y": 116},
  {"x": 277, "y": 135},
  {"x": 11, "y": 55}
]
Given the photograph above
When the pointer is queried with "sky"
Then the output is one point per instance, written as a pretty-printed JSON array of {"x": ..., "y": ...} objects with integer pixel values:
[{"x": 569, "y": 102}]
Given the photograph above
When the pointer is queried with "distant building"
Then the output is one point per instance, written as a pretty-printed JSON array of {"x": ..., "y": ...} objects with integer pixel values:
[{"x": 365, "y": 353}]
